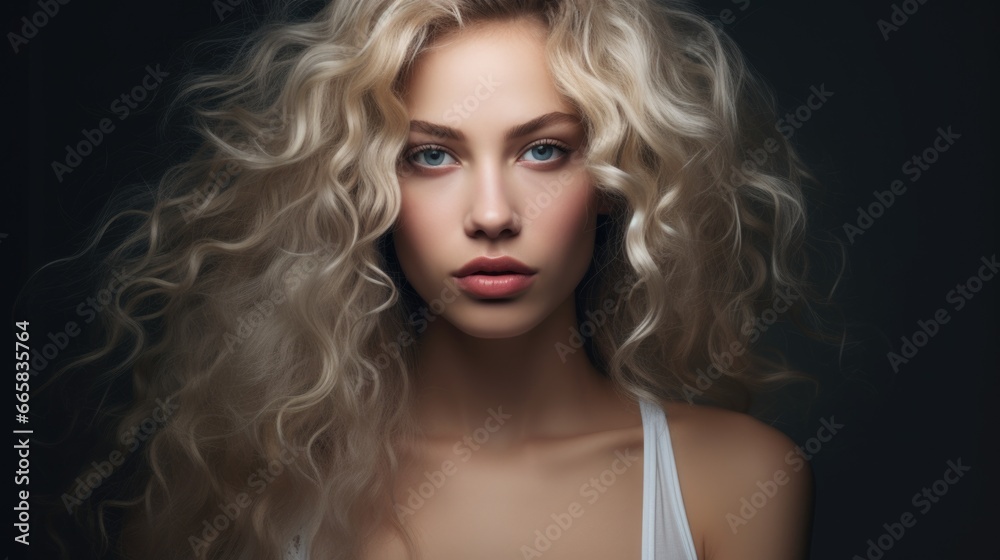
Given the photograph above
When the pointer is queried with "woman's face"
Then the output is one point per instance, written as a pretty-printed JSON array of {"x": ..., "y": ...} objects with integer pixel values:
[{"x": 477, "y": 182}]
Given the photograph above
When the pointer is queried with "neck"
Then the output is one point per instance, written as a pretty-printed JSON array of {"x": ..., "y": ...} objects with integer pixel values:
[{"x": 538, "y": 384}]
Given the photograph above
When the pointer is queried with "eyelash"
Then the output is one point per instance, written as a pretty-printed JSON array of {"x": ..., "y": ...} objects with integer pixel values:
[{"x": 405, "y": 159}]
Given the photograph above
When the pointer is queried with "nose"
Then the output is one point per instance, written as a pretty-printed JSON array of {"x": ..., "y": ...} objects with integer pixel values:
[{"x": 490, "y": 211}]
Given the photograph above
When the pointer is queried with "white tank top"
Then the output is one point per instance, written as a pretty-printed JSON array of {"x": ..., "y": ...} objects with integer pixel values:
[{"x": 666, "y": 534}]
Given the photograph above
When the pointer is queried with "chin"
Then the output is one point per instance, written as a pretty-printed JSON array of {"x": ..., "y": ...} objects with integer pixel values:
[{"x": 493, "y": 323}]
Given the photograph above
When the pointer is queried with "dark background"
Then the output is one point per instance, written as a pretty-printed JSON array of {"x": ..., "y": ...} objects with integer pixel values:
[{"x": 890, "y": 96}]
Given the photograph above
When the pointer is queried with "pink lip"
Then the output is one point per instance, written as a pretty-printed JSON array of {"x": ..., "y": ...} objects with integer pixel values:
[
  {"x": 494, "y": 266},
  {"x": 499, "y": 277},
  {"x": 494, "y": 286}
]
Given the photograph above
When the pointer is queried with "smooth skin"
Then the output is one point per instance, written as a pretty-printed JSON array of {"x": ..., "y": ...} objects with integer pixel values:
[{"x": 514, "y": 433}]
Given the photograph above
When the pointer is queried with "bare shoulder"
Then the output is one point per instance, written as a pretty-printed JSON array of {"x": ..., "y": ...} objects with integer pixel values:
[
  {"x": 723, "y": 437},
  {"x": 748, "y": 494}
]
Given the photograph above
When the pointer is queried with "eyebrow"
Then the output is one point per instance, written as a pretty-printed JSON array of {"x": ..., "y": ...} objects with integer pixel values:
[{"x": 517, "y": 131}]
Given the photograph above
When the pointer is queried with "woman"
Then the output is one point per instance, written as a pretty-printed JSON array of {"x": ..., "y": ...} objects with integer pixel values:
[{"x": 440, "y": 277}]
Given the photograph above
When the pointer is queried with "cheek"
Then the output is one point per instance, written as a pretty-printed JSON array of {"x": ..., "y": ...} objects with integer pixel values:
[
  {"x": 569, "y": 222},
  {"x": 413, "y": 235},
  {"x": 406, "y": 235}
]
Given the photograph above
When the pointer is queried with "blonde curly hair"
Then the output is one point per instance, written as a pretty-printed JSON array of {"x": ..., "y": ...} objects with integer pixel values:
[{"x": 263, "y": 292}]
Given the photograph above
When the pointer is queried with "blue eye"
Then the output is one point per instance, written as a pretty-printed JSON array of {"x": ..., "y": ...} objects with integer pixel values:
[
  {"x": 543, "y": 151},
  {"x": 434, "y": 157}
]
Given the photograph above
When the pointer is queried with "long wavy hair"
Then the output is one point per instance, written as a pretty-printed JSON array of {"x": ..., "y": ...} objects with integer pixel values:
[{"x": 263, "y": 300}]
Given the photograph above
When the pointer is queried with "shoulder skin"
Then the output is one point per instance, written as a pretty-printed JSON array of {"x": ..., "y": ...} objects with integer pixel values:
[{"x": 748, "y": 495}]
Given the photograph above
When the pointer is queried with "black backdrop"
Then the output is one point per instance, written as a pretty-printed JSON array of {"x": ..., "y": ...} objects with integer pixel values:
[{"x": 891, "y": 93}]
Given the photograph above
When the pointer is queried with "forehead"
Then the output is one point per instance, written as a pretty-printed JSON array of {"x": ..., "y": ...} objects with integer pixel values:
[{"x": 502, "y": 66}]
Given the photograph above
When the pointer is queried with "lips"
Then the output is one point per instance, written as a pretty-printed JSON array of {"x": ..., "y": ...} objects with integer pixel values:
[
  {"x": 496, "y": 278},
  {"x": 494, "y": 267}
]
